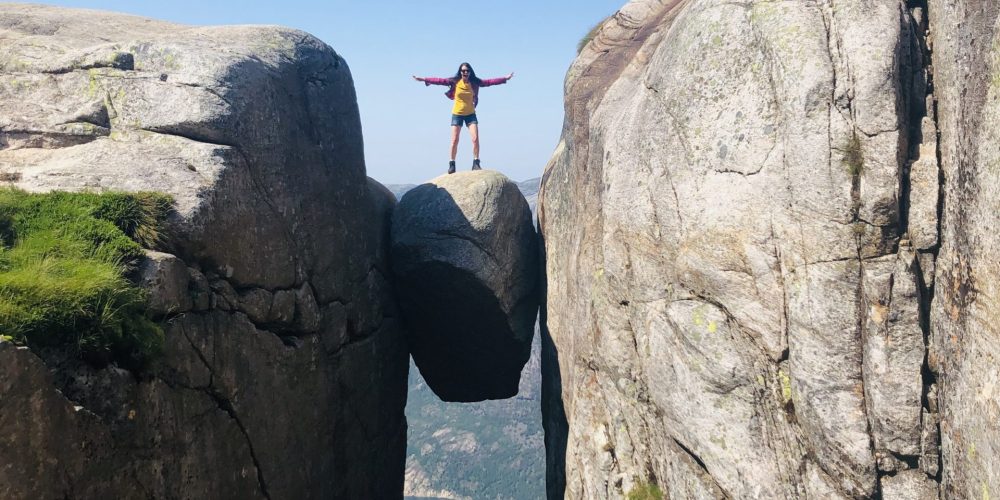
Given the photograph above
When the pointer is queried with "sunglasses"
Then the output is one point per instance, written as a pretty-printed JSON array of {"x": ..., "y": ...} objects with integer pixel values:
[{"x": 465, "y": 71}]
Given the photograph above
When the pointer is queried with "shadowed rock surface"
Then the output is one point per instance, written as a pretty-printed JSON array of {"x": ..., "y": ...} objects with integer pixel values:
[
  {"x": 464, "y": 255},
  {"x": 284, "y": 371},
  {"x": 740, "y": 229}
]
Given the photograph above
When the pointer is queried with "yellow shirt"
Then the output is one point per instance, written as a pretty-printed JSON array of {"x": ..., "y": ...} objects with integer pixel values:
[{"x": 463, "y": 99}]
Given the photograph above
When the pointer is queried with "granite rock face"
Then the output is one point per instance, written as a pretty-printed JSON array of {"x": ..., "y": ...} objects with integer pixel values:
[
  {"x": 965, "y": 316},
  {"x": 465, "y": 261},
  {"x": 740, "y": 226},
  {"x": 284, "y": 371}
]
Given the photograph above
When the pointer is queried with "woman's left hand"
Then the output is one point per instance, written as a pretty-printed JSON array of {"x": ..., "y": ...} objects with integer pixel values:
[{"x": 511, "y": 75}]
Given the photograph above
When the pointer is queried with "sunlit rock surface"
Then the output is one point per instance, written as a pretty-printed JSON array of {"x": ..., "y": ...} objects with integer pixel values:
[{"x": 735, "y": 306}]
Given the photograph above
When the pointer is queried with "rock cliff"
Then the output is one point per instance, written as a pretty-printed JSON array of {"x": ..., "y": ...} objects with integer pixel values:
[
  {"x": 284, "y": 371},
  {"x": 965, "y": 312},
  {"x": 741, "y": 230}
]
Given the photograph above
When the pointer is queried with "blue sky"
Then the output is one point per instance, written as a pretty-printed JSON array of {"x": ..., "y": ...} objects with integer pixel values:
[{"x": 406, "y": 125}]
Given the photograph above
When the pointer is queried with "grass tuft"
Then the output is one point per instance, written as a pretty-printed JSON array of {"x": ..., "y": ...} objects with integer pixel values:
[
  {"x": 854, "y": 158},
  {"x": 645, "y": 491},
  {"x": 590, "y": 35},
  {"x": 140, "y": 215},
  {"x": 63, "y": 264}
]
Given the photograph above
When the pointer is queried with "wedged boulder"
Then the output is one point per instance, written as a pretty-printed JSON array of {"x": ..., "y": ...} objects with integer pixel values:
[
  {"x": 464, "y": 255},
  {"x": 285, "y": 376},
  {"x": 166, "y": 278}
]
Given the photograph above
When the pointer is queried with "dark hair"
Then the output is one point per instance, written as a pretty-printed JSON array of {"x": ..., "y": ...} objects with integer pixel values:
[{"x": 472, "y": 74}]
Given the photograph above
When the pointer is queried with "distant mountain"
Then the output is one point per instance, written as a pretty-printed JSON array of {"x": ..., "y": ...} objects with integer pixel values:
[
  {"x": 399, "y": 189},
  {"x": 529, "y": 189},
  {"x": 489, "y": 450}
]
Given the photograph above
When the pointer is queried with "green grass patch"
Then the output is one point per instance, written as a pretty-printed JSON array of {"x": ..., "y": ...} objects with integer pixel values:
[
  {"x": 645, "y": 491},
  {"x": 64, "y": 259},
  {"x": 854, "y": 158}
]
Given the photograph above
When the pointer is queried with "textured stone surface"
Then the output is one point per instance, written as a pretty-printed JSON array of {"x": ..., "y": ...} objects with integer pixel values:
[
  {"x": 965, "y": 317},
  {"x": 909, "y": 485},
  {"x": 306, "y": 310},
  {"x": 283, "y": 307},
  {"x": 288, "y": 379},
  {"x": 199, "y": 289},
  {"x": 166, "y": 279},
  {"x": 930, "y": 443},
  {"x": 893, "y": 353},
  {"x": 925, "y": 188},
  {"x": 728, "y": 285},
  {"x": 256, "y": 304},
  {"x": 465, "y": 259}
]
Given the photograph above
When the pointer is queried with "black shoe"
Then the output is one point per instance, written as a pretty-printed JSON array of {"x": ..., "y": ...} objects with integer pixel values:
[
  {"x": 451, "y": 167},
  {"x": 475, "y": 165}
]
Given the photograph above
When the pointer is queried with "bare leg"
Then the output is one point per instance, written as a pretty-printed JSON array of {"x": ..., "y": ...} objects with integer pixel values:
[
  {"x": 474, "y": 132},
  {"x": 455, "y": 129}
]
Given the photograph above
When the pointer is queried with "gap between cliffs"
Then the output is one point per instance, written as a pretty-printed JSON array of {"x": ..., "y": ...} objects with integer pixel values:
[
  {"x": 929, "y": 404},
  {"x": 920, "y": 104}
]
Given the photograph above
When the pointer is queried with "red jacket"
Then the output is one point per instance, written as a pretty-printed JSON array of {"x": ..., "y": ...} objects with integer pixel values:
[{"x": 451, "y": 82}]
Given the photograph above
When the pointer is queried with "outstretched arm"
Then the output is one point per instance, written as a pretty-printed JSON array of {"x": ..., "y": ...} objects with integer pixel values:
[
  {"x": 432, "y": 81},
  {"x": 497, "y": 81}
]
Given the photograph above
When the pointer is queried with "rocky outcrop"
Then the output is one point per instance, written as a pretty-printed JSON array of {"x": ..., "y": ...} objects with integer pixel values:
[
  {"x": 464, "y": 256},
  {"x": 284, "y": 371},
  {"x": 740, "y": 229},
  {"x": 965, "y": 316}
]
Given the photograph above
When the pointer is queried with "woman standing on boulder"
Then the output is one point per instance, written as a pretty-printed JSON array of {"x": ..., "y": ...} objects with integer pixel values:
[{"x": 463, "y": 88}]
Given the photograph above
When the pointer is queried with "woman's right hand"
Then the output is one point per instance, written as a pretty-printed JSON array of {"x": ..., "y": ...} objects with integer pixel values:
[{"x": 417, "y": 78}]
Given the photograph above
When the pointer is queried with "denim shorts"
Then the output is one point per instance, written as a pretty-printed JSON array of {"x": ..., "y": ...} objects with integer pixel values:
[{"x": 457, "y": 120}]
